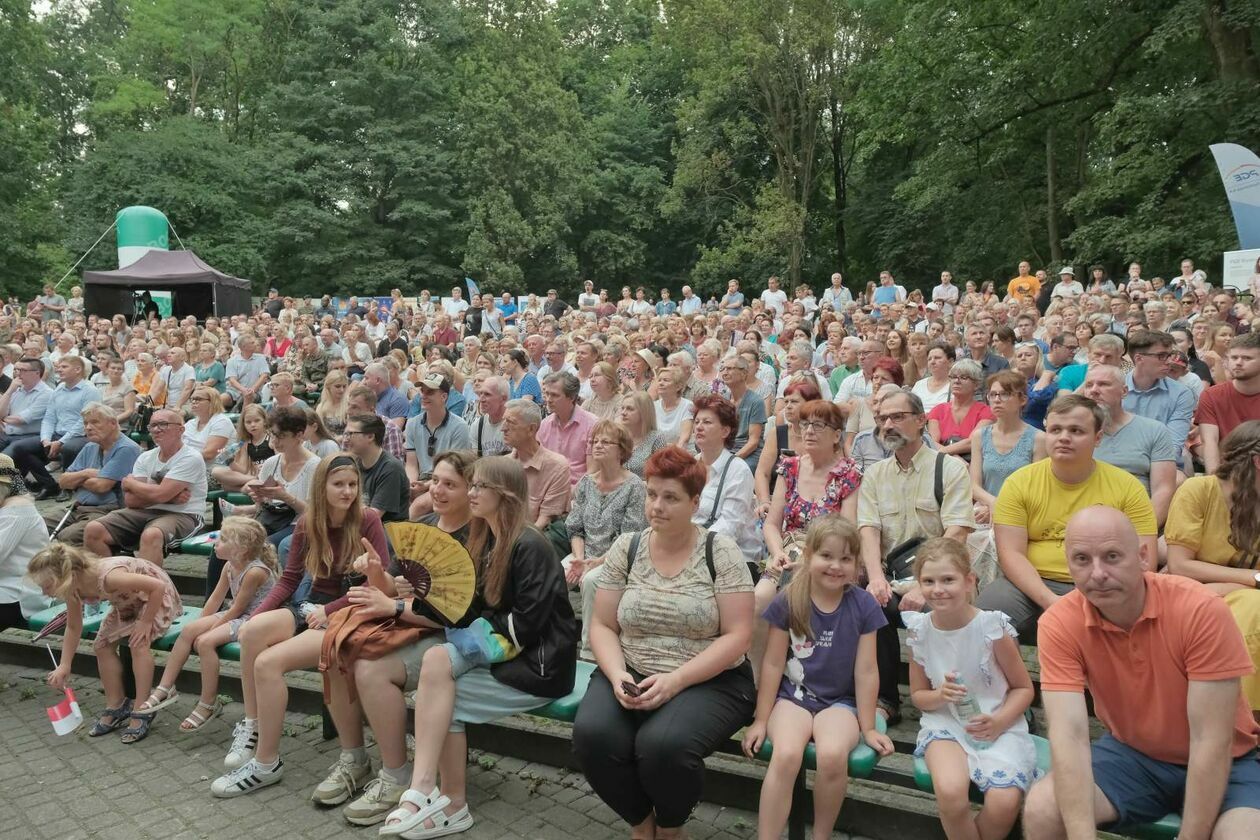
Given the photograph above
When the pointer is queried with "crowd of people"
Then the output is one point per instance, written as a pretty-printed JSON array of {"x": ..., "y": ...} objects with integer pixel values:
[{"x": 748, "y": 497}]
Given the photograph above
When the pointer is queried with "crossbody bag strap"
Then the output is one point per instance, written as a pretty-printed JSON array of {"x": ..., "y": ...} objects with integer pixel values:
[
  {"x": 938, "y": 480},
  {"x": 708, "y": 555},
  {"x": 717, "y": 499}
]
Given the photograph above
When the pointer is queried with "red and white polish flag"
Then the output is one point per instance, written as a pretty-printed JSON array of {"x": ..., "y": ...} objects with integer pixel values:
[{"x": 65, "y": 716}]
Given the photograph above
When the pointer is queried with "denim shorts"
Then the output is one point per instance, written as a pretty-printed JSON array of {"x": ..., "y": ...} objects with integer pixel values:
[
  {"x": 480, "y": 698},
  {"x": 1143, "y": 790}
]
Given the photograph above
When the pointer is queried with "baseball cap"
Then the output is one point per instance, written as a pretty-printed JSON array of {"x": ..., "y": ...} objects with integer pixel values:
[
  {"x": 934, "y": 306},
  {"x": 9, "y": 475},
  {"x": 435, "y": 382}
]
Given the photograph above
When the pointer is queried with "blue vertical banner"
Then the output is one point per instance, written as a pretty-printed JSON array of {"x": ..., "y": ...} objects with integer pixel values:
[
  {"x": 1240, "y": 172},
  {"x": 472, "y": 287}
]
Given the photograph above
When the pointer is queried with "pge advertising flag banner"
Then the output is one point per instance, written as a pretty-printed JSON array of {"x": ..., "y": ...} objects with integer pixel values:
[{"x": 1240, "y": 172}]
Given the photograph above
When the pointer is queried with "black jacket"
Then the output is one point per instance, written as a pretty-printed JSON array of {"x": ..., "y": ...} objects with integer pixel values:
[
  {"x": 472, "y": 321},
  {"x": 537, "y": 616}
]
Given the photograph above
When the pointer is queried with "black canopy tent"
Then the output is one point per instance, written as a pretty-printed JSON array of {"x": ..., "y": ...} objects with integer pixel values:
[{"x": 196, "y": 288}]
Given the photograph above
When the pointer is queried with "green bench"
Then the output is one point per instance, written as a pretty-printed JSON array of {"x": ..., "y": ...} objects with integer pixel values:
[
  {"x": 1165, "y": 829},
  {"x": 216, "y": 517},
  {"x": 92, "y": 624}
]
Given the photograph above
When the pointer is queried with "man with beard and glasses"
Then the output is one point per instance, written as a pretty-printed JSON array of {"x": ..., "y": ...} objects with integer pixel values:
[
  {"x": 898, "y": 502},
  {"x": 1036, "y": 502}
]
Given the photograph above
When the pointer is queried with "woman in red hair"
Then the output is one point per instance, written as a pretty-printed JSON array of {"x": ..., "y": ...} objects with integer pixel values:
[{"x": 672, "y": 626}]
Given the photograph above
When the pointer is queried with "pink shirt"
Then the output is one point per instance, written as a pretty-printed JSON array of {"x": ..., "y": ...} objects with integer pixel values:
[
  {"x": 571, "y": 440},
  {"x": 951, "y": 431}
]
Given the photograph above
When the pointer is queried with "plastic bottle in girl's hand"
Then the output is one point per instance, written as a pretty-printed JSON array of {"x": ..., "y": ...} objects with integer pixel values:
[{"x": 967, "y": 708}]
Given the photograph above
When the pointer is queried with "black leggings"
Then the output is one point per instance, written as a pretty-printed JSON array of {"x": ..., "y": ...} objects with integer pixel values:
[
  {"x": 642, "y": 763},
  {"x": 11, "y": 616},
  {"x": 888, "y": 656}
]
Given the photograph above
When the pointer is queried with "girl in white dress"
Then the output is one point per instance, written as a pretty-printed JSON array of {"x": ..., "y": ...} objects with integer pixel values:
[{"x": 963, "y": 656}]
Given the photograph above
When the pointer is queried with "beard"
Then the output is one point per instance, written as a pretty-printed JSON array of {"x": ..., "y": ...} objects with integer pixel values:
[{"x": 894, "y": 440}]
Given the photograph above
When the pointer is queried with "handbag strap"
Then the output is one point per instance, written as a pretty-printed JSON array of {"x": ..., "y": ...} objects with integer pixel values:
[
  {"x": 717, "y": 498},
  {"x": 708, "y": 553},
  {"x": 938, "y": 481}
]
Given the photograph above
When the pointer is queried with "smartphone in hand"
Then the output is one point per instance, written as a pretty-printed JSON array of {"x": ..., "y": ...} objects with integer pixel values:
[{"x": 631, "y": 689}]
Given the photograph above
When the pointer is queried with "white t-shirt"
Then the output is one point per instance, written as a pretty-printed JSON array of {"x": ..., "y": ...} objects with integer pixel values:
[
  {"x": 300, "y": 486},
  {"x": 774, "y": 300},
  {"x": 218, "y": 425},
  {"x": 669, "y": 423},
  {"x": 174, "y": 380},
  {"x": 642, "y": 307},
  {"x": 1068, "y": 289},
  {"x": 588, "y": 300},
  {"x": 453, "y": 307},
  {"x": 854, "y": 386},
  {"x": 322, "y": 449},
  {"x": 930, "y": 399},
  {"x": 948, "y": 295},
  {"x": 821, "y": 381},
  {"x": 185, "y": 465}
]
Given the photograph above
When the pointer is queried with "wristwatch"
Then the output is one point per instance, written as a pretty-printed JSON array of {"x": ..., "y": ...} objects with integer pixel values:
[
  {"x": 399, "y": 606},
  {"x": 1255, "y": 580}
]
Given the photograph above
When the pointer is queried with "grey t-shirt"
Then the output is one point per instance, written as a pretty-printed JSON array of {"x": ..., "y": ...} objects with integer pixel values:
[
  {"x": 1139, "y": 443},
  {"x": 51, "y": 314}
]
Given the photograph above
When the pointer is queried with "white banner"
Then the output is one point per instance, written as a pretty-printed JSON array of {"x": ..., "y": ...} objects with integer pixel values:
[{"x": 1242, "y": 270}]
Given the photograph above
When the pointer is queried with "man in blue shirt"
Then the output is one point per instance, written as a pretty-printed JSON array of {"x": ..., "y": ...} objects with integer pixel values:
[
  {"x": 665, "y": 307},
  {"x": 95, "y": 476},
  {"x": 1151, "y": 393},
  {"x": 23, "y": 405},
  {"x": 508, "y": 308},
  {"x": 691, "y": 305},
  {"x": 61, "y": 432},
  {"x": 390, "y": 403}
]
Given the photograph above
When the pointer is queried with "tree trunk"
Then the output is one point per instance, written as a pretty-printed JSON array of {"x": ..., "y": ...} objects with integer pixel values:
[
  {"x": 839, "y": 178},
  {"x": 1052, "y": 200},
  {"x": 1232, "y": 51}
]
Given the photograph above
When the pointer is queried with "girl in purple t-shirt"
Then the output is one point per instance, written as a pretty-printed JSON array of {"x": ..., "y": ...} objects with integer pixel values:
[{"x": 818, "y": 676}]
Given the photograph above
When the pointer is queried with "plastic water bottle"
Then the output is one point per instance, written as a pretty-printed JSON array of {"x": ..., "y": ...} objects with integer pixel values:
[{"x": 967, "y": 708}]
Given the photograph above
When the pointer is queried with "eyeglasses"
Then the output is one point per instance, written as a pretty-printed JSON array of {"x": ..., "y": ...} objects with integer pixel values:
[
  {"x": 478, "y": 486},
  {"x": 153, "y": 427},
  {"x": 814, "y": 425},
  {"x": 356, "y": 432},
  {"x": 960, "y": 378},
  {"x": 894, "y": 417},
  {"x": 431, "y": 447},
  {"x": 1163, "y": 357},
  {"x": 997, "y": 396}
]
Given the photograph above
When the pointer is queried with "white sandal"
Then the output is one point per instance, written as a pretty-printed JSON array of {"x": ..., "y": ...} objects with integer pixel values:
[
  {"x": 443, "y": 826},
  {"x": 164, "y": 697},
  {"x": 401, "y": 820}
]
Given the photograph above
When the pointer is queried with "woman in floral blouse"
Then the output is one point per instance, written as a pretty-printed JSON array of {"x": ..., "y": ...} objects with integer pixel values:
[{"x": 818, "y": 481}]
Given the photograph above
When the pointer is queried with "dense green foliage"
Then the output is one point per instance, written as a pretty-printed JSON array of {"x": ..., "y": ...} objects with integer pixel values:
[{"x": 338, "y": 145}]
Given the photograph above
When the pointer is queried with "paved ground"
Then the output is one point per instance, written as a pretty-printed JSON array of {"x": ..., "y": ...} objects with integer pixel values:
[{"x": 101, "y": 789}]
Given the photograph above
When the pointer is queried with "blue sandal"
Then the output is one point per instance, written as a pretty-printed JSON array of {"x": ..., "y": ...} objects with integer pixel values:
[
  {"x": 117, "y": 717},
  {"x": 140, "y": 731}
]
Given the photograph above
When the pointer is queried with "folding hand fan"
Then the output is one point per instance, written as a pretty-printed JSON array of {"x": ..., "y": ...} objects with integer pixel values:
[{"x": 444, "y": 574}]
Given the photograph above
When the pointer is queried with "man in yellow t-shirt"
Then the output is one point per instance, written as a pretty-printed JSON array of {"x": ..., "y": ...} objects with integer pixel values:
[
  {"x": 1025, "y": 286},
  {"x": 1034, "y": 506}
]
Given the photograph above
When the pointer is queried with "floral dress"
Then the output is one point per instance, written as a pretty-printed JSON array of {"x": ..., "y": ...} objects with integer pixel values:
[
  {"x": 842, "y": 482},
  {"x": 127, "y": 606}
]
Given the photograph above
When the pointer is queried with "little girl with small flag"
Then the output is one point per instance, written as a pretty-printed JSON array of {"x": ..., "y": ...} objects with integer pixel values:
[{"x": 144, "y": 603}]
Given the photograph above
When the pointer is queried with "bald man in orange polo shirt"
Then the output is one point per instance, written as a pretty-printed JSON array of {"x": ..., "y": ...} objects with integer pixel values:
[{"x": 1161, "y": 656}]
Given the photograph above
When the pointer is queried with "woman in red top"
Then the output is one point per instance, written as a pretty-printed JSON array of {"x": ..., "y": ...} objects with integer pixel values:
[
  {"x": 951, "y": 423},
  {"x": 280, "y": 638}
]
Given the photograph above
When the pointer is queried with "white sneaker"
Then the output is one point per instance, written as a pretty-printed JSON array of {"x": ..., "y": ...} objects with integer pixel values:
[
  {"x": 226, "y": 508},
  {"x": 379, "y": 798},
  {"x": 247, "y": 778},
  {"x": 344, "y": 780},
  {"x": 244, "y": 742}
]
